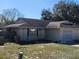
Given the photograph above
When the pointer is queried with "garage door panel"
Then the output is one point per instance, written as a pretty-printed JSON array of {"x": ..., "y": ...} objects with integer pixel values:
[{"x": 67, "y": 35}]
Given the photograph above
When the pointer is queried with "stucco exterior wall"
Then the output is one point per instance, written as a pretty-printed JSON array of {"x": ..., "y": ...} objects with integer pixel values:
[
  {"x": 69, "y": 34},
  {"x": 22, "y": 33},
  {"x": 62, "y": 35},
  {"x": 41, "y": 34},
  {"x": 76, "y": 34},
  {"x": 53, "y": 34},
  {"x": 66, "y": 35}
]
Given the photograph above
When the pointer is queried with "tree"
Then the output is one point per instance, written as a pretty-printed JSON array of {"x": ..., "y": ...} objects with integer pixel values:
[
  {"x": 46, "y": 15},
  {"x": 1, "y": 20},
  {"x": 10, "y": 15},
  {"x": 67, "y": 11},
  {"x": 60, "y": 9},
  {"x": 63, "y": 10}
]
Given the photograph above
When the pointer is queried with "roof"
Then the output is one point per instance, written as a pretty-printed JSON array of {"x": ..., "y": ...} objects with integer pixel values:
[
  {"x": 33, "y": 22},
  {"x": 57, "y": 24},
  {"x": 13, "y": 25},
  {"x": 28, "y": 22}
]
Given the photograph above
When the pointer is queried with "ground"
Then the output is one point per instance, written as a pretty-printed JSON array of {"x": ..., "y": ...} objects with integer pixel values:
[{"x": 39, "y": 51}]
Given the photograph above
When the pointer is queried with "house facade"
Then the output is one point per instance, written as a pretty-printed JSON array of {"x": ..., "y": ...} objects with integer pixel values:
[
  {"x": 34, "y": 29},
  {"x": 28, "y": 29}
]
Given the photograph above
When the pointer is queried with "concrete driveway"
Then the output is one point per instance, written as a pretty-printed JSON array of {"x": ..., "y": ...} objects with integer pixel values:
[{"x": 76, "y": 45}]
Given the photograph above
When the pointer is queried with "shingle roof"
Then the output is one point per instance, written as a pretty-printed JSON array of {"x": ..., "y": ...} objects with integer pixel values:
[
  {"x": 33, "y": 22},
  {"x": 57, "y": 24},
  {"x": 13, "y": 25},
  {"x": 28, "y": 22}
]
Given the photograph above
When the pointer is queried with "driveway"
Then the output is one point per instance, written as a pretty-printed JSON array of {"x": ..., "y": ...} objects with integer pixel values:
[{"x": 76, "y": 45}]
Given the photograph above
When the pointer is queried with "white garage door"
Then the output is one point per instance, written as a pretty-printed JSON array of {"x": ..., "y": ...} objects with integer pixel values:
[{"x": 67, "y": 36}]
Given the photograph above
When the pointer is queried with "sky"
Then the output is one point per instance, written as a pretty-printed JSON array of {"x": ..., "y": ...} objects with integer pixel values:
[{"x": 29, "y": 8}]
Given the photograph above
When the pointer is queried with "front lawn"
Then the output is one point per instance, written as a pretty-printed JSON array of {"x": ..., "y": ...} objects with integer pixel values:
[{"x": 39, "y": 51}]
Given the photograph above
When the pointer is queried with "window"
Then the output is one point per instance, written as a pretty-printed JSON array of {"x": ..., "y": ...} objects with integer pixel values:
[
  {"x": 0, "y": 30},
  {"x": 33, "y": 30}
]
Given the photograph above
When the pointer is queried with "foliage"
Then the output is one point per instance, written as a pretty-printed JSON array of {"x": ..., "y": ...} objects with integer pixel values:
[
  {"x": 46, "y": 15},
  {"x": 67, "y": 11},
  {"x": 64, "y": 11},
  {"x": 8, "y": 16}
]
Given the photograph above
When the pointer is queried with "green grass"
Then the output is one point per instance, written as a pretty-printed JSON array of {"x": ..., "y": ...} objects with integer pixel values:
[{"x": 39, "y": 51}]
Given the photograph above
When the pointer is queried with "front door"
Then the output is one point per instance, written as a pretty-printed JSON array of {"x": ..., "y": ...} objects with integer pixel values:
[{"x": 32, "y": 34}]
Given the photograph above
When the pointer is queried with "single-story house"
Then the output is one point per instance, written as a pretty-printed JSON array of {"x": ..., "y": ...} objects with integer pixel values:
[{"x": 26, "y": 29}]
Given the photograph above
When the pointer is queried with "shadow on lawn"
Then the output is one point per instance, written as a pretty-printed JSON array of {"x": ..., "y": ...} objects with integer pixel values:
[
  {"x": 46, "y": 42},
  {"x": 41, "y": 42},
  {"x": 35, "y": 42}
]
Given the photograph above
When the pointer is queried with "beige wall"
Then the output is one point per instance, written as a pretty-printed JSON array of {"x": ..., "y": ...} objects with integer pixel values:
[
  {"x": 41, "y": 34},
  {"x": 62, "y": 34},
  {"x": 66, "y": 35},
  {"x": 73, "y": 33},
  {"x": 22, "y": 32},
  {"x": 76, "y": 33},
  {"x": 53, "y": 34}
]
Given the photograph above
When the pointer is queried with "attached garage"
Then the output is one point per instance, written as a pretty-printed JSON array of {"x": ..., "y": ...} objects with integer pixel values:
[
  {"x": 66, "y": 35},
  {"x": 63, "y": 34}
]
